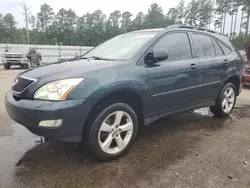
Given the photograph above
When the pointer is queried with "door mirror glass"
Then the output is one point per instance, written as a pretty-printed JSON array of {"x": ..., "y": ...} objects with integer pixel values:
[{"x": 160, "y": 54}]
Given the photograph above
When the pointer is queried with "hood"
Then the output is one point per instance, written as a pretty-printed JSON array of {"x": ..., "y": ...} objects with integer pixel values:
[{"x": 67, "y": 69}]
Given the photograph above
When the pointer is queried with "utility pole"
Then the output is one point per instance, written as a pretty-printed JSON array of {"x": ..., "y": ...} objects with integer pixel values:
[{"x": 26, "y": 13}]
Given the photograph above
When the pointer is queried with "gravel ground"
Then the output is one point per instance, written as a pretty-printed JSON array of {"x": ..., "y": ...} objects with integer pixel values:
[{"x": 191, "y": 149}]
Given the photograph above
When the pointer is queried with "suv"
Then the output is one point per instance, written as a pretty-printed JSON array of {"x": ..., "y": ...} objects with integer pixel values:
[{"x": 102, "y": 97}]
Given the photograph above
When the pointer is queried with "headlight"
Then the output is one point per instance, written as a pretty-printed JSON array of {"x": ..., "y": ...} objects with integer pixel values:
[{"x": 57, "y": 90}]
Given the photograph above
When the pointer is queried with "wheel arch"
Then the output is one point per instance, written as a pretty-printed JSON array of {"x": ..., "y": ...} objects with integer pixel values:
[
  {"x": 128, "y": 96},
  {"x": 235, "y": 79}
]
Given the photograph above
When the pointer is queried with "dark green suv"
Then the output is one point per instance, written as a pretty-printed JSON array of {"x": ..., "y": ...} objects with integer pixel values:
[{"x": 102, "y": 97}]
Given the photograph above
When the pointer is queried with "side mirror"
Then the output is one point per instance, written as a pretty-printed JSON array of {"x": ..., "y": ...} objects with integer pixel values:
[{"x": 160, "y": 54}]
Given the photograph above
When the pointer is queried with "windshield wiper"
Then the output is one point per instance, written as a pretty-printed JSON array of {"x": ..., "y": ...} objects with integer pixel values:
[{"x": 97, "y": 58}]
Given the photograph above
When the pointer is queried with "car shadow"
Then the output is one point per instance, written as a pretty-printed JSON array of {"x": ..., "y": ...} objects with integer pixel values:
[
  {"x": 16, "y": 68},
  {"x": 158, "y": 146}
]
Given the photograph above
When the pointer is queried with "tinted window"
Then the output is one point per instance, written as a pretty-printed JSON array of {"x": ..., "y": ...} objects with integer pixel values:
[
  {"x": 177, "y": 45},
  {"x": 225, "y": 49},
  {"x": 203, "y": 45},
  {"x": 218, "y": 49}
]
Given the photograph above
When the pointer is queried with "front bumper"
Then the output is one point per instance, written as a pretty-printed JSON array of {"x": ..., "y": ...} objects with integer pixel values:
[
  {"x": 30, "y": 112},
  {"x": 15, "y": 61}
]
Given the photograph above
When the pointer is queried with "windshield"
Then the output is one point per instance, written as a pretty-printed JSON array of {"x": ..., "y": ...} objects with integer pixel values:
[{"x": 122, "y": 47}]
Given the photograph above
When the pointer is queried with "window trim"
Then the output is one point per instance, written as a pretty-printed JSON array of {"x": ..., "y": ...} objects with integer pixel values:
[
  {"x": 174, "y": 32},
  {"x": 204, "y": 34},
  {"x": 213, "y": 40}
]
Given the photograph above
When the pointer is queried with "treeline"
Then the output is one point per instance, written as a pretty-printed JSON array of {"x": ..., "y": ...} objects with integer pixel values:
[{"x": 90, "y": 29}]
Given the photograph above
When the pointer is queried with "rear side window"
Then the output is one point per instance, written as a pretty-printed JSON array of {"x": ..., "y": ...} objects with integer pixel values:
[
  {"x": 225, "y": 49},
  {"x": 203, "y": 45},
  {"x": 177, "y": 45},
  {"x": 217, "y": 48}
]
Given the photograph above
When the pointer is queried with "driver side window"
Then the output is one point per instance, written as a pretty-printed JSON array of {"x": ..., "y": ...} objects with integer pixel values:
[{"x": 177, "y": 45}]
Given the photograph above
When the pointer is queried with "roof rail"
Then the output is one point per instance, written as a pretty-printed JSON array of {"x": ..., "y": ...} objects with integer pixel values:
[{"x": 191, "y": 27}]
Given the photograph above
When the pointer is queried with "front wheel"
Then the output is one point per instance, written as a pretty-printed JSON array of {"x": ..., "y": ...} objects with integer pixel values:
[
  {"x": 38, "y": 63},
  {"x": 26, "y": 66},
  {"x": 6, "y": 66},
  {"x": 112, "y": 132},
  {"x": 225, "y": 101}
]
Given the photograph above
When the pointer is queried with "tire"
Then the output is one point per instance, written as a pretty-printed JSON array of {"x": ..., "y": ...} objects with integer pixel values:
[
  {"x": 26, "y": 66},
  {"x": 6, "y": 66},
  {"x": 38, "y": 63},
  {"x": 96, "y": 138},
  {"x": 224, "y": 105}
]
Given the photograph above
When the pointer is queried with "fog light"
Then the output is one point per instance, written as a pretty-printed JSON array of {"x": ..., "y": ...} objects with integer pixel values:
[{"x": 51, "y": 123}]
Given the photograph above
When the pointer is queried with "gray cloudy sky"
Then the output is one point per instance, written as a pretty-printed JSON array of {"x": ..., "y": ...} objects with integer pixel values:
[{"x": 83, "y": 6}]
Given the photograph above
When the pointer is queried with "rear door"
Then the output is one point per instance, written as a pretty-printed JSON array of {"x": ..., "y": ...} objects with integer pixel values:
[
  {"x": 213, "y": 64},
  {"x": 173, "y": 82}
]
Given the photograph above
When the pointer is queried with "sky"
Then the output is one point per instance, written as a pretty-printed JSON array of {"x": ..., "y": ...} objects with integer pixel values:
[{"x": 83, "y": 6}]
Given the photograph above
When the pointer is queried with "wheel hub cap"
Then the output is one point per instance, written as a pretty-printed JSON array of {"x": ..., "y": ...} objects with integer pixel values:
[
  {"x": 228, "y": 100},
  {"x": 115, "y": 132}
]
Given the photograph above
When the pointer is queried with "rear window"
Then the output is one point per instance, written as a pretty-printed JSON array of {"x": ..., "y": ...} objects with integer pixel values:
[{"x": 203, "y": 45}]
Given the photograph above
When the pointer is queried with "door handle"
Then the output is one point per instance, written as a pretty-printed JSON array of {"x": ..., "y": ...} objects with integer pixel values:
[
  {"x": 193, "y": 66},
  {"x": 225, "y": 61}
]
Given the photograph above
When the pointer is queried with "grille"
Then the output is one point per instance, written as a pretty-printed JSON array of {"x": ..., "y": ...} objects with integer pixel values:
[
  {"x": 20, "y": 84},
  {"x": 13, "y": 56},
  {"x": 13, "y": 61}
]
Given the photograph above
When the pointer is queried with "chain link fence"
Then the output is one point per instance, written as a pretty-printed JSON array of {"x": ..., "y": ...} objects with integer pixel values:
[{"x": 50, "y": 53}]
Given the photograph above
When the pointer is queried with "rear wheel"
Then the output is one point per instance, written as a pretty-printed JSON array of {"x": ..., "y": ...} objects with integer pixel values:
[
  {"x": 112, "y": 132},
  {"x": 225, "y": 101},
  {"x": 6, "y": 66}
]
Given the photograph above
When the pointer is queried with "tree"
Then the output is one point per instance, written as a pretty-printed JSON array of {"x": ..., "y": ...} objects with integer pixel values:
[
  {"x": 66, "y": 24},
  {"x": 33, "y": 24},
  {"x": 9, "y": 24},
  {"x": 45, "y": 17},
  {"x": 91, "y": 29},
  {"x": 155, "y": 17},
  {"x": 243, "y": 9},
  {"x": 236, "y": 6},
  {"x": 246, "y": 7},
  {"x": 224, "y": 6},
  {"x": 2, "y": 29},
  {"x": 172, "y": 16},
  {"x": 26, "y": 13},
  {"x": 181, "y": 11},
  {"x": 80, "y": 29},
  {"x": 219, "y": 16},
  {"x": 98, "y": 35},
  {"x": 138, "y": 22},
  {"x": 192, "y": 13},
  {"x": 113, "y": 24},
  {"x": 126, "y": 22},
  {"x": 205, "y": 13}
]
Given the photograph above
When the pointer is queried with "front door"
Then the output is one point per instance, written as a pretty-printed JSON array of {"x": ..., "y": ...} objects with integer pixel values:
[{"x": 173, "y": 82}]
